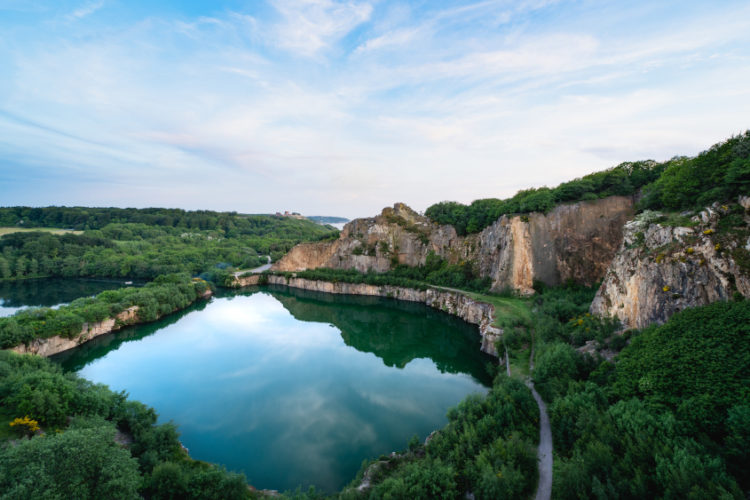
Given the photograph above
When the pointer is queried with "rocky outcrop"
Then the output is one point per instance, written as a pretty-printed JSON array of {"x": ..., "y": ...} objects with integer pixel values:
[
  {"x": 455, "y": 303},
  {"x": 572, "y": 242},
  {"x": 661, "y": 268},
  {"x": 54, "y": 345}
]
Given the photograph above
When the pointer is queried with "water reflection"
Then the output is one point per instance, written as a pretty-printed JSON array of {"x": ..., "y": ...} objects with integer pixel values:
[
  {"x": 267, "y": 382},
  {"x": 48, "y": 292}
]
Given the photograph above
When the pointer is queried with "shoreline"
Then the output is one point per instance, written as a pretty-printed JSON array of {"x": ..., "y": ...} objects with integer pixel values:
[
  {"x": 57, "y": 344},
  {"x": 452, "y": 302}
]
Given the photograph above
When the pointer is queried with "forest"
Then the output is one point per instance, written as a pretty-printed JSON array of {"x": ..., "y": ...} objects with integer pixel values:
[
  {"x": 718, "y": 174},
  {"x": 145, "y": 245}
]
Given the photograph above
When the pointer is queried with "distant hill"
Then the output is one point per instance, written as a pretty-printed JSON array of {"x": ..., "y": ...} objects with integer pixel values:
[{"x": 326, "y": 219}]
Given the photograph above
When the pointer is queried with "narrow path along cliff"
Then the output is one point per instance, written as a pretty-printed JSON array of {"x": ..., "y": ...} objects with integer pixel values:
[{"x": 544, "y": 451}]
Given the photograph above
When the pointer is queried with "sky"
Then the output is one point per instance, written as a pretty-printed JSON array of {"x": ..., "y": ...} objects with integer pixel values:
[{"x": 330, "y": 107}]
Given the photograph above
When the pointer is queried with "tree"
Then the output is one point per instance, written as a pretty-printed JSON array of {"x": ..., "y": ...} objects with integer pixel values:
[
  {"x": 5, "y": 271},
  {"x": 78, "y": 463}
]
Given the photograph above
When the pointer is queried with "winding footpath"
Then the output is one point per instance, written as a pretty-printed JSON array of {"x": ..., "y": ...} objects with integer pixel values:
[{"x": 544, "y": 450}]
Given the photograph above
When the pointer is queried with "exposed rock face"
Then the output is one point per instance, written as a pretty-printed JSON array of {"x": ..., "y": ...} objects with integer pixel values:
[
  {"x": 54, "y": 345},
  {"x": 397, "y": 236},
  {"x": 571, "y": 242},
  {"x": 455, "y": 303},
  {"x": 661, "y": 270}
]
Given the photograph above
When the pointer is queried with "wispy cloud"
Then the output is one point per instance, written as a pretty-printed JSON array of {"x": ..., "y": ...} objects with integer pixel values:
[
  {"x": 308, "y": 26},
  {"x": 347, "y": 106},
  {"x": 86, "y": 10}
]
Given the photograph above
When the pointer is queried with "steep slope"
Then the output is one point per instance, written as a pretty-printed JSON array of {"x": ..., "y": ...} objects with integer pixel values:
[
  {"x": 571, "y": 242},
  {"x": 662, "y": 268}
]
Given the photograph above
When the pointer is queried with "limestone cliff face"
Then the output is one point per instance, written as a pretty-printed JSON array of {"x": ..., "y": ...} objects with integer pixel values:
[
  {"x": 54, "y": 345},
  {"x": 661, "y": 269},
  {"x": 455, "y": 303},
  {"x": 397, "y": 236},
  {"x": 571, "y": 242}
]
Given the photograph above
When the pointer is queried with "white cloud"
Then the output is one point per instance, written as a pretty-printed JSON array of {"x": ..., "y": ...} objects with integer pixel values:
[
  {"x": 309, "y": 26},
  {"x": 86, "y": 10},
  {"x": 409, "y": 109}
]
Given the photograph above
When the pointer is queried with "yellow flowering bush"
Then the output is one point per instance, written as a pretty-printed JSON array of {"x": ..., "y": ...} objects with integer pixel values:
[{"x": 26, "y": 425}]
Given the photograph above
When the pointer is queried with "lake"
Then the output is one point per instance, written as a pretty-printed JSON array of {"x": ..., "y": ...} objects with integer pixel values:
[
  {"x": 48, "y": 292},
  {"x": 293, "y": 387}
]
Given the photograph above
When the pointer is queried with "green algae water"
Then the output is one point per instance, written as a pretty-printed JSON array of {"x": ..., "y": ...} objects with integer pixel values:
[{"x": 293, "y": 388}]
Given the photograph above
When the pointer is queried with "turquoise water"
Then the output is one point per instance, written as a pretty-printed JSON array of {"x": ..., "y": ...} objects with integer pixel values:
[{"x": 292, "y": 387}]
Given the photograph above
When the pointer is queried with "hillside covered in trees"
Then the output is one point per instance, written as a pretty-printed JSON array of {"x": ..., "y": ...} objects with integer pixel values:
[
  {"x": 143, "y": 243},
  {"x": 720, "y": 173}
]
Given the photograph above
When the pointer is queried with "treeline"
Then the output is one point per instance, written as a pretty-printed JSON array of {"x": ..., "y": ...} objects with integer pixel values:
[
  {"x": 164, "y": 295},
  {"x": 77, "y": 439},
  {"x": 86, "y": 218},
  {"x": 436, "y": 271},
  {"x": 669, "y": 419},
  {"x": 143, "y": 252},
  {"x": 719, "y": 174}
]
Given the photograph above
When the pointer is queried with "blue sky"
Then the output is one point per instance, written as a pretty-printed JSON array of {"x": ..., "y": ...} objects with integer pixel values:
[{"x": 343, "y": 107}]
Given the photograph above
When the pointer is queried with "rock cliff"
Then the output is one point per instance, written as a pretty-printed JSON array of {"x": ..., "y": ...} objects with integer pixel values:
[
  {"x": 54, "y": 345},
  {"x": 572, "y": 242},
  {"x": 663, "y": 267}
]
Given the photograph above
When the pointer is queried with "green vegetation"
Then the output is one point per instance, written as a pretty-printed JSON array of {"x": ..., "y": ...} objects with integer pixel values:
[
  {"x": 624, "y": 179},
  {"x": 669, "y": 419},
  {"x": 436, "y": 271},
  {"x": 719, "y": 174},
  {"x": 9, "y": 230},
  {"x": 164, "y": 295},
  {"x": 143, "y": 244},
  {"x": 94, "y": 443},
  {"x": 488, "y": 448},
  {"x": 510, "y": 310}
]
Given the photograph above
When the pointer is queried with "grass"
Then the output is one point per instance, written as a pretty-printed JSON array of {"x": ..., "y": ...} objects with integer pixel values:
[
  {"x": 509, "y": 311},
  {"x": 519, "y": 362},
  {"x": 53, "y": 230}
]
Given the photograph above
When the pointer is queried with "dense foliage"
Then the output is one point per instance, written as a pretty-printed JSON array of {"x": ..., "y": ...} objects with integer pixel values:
[
  {"x": 487, "y": 448},
  {"x": 436, "y": 271},
  {"x": 719, "y": 174},
  {"x": 164, "y": 295},
  {"x": 85, "y": 218},
  {"x": 138, "y": 250},
  {"x": 94, "y": 443},
  {"x": 669, "y": 419},
  {"x": 624, "y": 179}
]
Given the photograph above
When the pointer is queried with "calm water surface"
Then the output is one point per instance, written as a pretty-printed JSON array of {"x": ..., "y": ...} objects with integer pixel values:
[
  {"x": 48, "y": 292},
  {"x": 293, "y": 387}
]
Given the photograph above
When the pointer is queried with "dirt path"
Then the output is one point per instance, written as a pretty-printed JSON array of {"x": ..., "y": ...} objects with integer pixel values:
[
  {"x": 544, "y": 451},
  {"x": 259, "y": 269}
]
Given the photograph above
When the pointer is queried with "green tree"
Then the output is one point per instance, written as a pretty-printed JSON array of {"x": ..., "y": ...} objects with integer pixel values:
[
  {"x": 78, "y": 463},
  {"x": 5, "y": 271}
]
